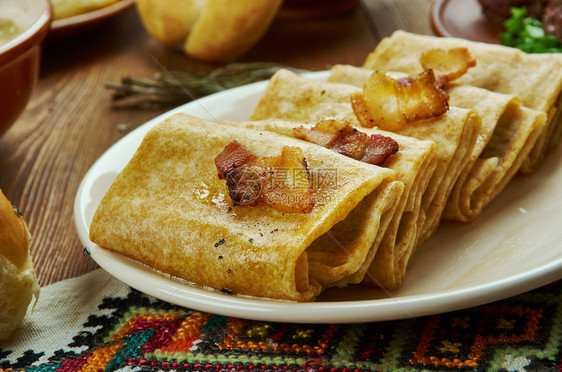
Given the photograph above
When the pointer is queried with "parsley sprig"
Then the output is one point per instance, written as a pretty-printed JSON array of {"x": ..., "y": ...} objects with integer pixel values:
[{"x": 527, "y": 34}]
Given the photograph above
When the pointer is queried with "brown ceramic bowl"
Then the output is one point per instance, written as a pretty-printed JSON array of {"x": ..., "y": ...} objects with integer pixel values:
[{"x": 19, "y": 57}]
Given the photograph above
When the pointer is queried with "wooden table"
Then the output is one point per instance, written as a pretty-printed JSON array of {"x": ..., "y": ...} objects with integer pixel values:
[{"x": 70, "y": 120}]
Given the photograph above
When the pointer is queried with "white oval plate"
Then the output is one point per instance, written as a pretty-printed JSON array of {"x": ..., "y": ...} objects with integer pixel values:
[{"x": 513, "y": 247}]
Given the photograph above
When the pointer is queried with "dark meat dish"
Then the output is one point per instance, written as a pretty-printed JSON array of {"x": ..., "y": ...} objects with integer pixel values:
[
  {"x": 498, "y": 12},
  {"x": 548, "y": 11}
]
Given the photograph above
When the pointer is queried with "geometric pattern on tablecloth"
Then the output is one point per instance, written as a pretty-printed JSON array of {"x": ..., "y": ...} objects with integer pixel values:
[{"x": 522, "y": 333}]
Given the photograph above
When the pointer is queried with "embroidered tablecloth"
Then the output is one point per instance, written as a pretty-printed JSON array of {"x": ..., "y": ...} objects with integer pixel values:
[{"x": 97, "y": 323}]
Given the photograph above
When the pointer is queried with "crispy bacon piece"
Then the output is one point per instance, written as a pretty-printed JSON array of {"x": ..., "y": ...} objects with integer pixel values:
[
  {"x": 282, "y": 182},
  {"x": 379, "y": 149},
  {"x": 233, "y": 156},
  {"x": 344, "y": 139},
  {"x": 361, "y": 110},
  {"x": 391, "y": 104},
  {"x": 287, "y": 184},
  {"x": 325, "y": 132},
  {"x": 448, "y": 64},
  {"x": 350, "y": 142},
  {"x": 422, "y": 99},
  {"x": 244, "y": 186}
]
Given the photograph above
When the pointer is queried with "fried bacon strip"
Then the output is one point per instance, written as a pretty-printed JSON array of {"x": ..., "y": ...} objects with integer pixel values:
[
  {"x": 283, "y": 182},
  {"x": 448, "y": 64},
  {"x": 232, "y": 157},
  {"x": 379, "y": 149},
  {"x": 391, "y": 104},
  {"x": 343, "y": 138}
]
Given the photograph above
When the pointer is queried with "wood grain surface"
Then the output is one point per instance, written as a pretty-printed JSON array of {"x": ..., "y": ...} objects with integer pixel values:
[{"x": 70, "y": 120}]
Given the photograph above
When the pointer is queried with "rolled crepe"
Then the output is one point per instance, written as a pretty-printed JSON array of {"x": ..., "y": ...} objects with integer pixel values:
[
  {"x": 295, "y": 98},
  {"x": 508, "y": 133},
  {"x": 536, "y": 79},
  {"x": 414, "y": 164},
  {"x": 169, "y": 210}
]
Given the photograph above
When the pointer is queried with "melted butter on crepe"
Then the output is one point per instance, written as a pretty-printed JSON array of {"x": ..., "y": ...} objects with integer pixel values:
[{"x": 152, "y": 214}]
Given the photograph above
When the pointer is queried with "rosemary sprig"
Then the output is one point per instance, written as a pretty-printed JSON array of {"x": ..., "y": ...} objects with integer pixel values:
[{"x": 175, "y": 88}]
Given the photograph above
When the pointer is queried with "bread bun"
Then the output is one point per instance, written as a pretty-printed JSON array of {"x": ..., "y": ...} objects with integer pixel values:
[
  {"x": 227, "y": 29},
  {"x": 211, "y": 30},
  {"x": 17, "y": 276},
  {"x": 169, "y": 21}
]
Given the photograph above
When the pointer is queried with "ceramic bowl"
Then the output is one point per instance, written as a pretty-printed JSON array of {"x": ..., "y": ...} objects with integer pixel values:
[{"x": 20, "y": 55}]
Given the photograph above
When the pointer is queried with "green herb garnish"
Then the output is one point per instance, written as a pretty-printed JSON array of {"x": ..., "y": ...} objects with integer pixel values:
[
  {"x": 527, "y": 34},
  {"x": 175, "y": 88}
]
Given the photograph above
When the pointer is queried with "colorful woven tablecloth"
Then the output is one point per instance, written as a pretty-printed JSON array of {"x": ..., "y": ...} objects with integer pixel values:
[{"x": 96, "y": 323}]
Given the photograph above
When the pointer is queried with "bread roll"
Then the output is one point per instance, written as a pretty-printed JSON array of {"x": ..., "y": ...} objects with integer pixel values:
[
  {"x": 227, "y": 29},
  {"x": 169, "y": 21},
  {"x": 17, "y": 276},
  {"x": 210, "y": 30}
]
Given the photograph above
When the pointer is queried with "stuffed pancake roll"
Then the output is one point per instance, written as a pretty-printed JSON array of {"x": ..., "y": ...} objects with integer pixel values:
[{"x": 235, "y": 209}]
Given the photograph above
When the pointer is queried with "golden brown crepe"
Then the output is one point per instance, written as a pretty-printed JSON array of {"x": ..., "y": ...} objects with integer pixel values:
[
  {"x": 342, "y": 255},
  {"x": 295, "y": 98},
  {"x": 414, "y": 164},
  {"x": 508, "y": 133},
  {"x": 169, "y": 210},
  {"x": 536, "y": 79}
]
